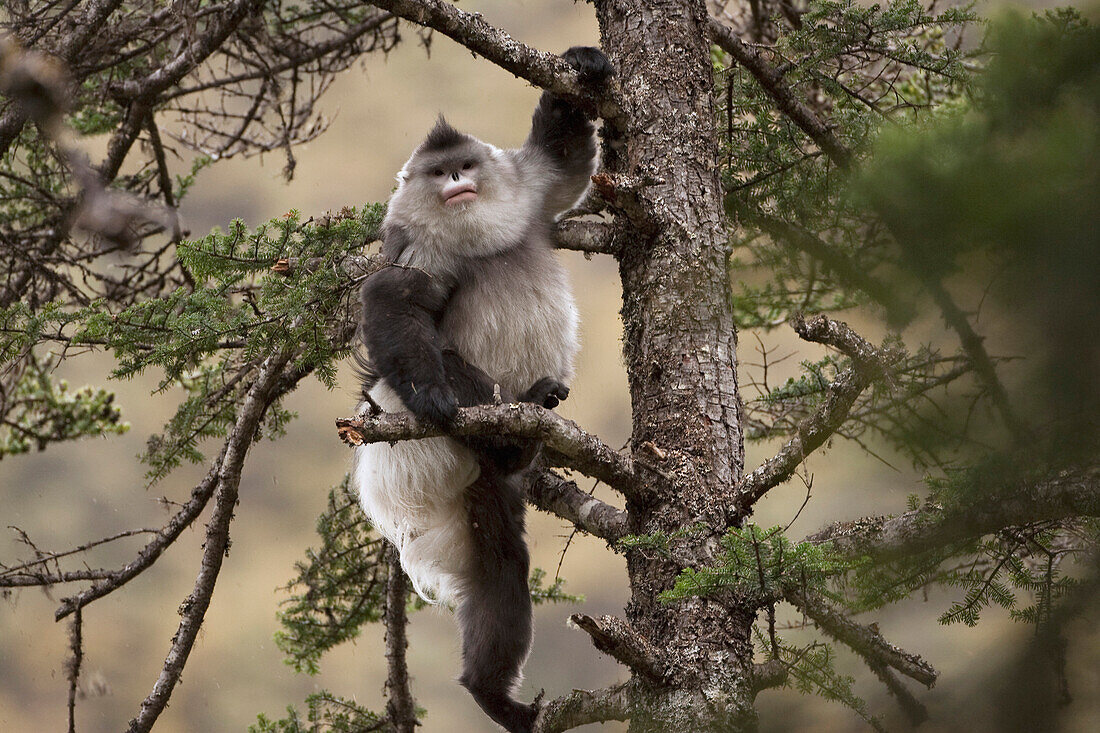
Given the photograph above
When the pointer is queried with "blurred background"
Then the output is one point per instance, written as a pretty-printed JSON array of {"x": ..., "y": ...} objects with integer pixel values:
[{"x": 80, "y": 491}]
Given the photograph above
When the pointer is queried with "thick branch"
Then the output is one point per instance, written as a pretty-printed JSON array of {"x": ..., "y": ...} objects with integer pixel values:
[
  {"x": 772, "y": 81},
  {"x": 585, "y": 452},
  {"x": 988, "y": 510},
  {"x": 581, "y": 707},
  {"x": 616, "y": 638},
  {"x": 867, "y": 364},
  {"x": 769, "y": 674},
  {"x": 193, "y": 608},
  {"x": 864, "y": 640},
  {"x": 400, "y": 706},
  {"x": 544, "y": 70},
  {"x": 585, "y": 236},
  {"x": 552, "y": 493}
]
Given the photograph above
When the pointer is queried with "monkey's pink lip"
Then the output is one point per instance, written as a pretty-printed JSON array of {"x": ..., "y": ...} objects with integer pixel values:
[{"x": 466, "y": 193}]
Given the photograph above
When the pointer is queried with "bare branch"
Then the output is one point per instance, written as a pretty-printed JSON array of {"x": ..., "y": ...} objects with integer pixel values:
[
  {"x": 552, "y": 493},
  {"x": 786, "y": 100},
  {"x": 868, "y": 363},
  {"x": 544, "y": 70},
  {"x": 72, "y": 666},
  {"x": 769, "y": 674},
  {"x": 585, "y": 452},
  {"x": 193, "y": 608},
  {"x": 585, "y": 236},
  {"x": 581, "y": 707},
  {"x": 616, "y": 638},
  {"x": 400, "y": 706},
  {"x": 864, "y": 640}
]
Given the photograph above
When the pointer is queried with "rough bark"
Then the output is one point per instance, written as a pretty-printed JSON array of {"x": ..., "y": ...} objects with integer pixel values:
[{"x": 679, "y": 346}]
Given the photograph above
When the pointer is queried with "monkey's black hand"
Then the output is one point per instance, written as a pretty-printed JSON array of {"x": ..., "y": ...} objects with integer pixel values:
[
  {"x": 435, "y": 404},
  {"x": 547, "y": 392},
  {"x": 592, "y": 66}
]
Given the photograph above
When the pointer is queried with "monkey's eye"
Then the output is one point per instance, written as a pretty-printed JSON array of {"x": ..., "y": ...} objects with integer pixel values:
[
  {"x": 437, "y": 172},
  {"x": 467, "y": 165}
]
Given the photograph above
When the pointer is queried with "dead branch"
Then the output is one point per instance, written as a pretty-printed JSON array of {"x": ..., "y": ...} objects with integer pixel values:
[
  {"x": 556, "y": 495},
  {"x": 585, "y": 452},
  {"x": 581, "y": 707},
  {"x": 591, "y": 237},
  {"x": 769, "y": 674},
  {"x": 616, "y": 638}
]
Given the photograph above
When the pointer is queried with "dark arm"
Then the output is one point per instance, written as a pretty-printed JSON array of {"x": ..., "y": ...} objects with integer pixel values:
[
  {"x": 398, "y": 327},
  {"x": 564, "y": 134}
]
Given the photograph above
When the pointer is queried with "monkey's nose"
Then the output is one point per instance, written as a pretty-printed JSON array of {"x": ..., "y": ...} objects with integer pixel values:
[{"x": 454, "y": 176}]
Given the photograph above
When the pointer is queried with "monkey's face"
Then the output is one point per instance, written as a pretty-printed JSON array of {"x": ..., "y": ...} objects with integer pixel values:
[{"x": 453, "y": 179}]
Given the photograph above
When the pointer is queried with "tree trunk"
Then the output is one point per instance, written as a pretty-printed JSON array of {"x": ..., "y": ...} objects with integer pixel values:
[{"x": 680, "y": 349}]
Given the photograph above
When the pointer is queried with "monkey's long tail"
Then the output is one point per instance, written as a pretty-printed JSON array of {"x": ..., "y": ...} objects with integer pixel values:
[{"x": 495, "y": 613}]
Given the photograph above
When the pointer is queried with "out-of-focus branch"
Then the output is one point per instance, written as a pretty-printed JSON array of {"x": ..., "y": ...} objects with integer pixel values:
[
  {"x": 260, "y": 395},
  {"x": 988, "y": 509},
  {"x": 912, "y": 707},
  {"x": 39, "y": 86},
  {"x": 786, "y": 100},
  {"x": 616, "y": 638},
  {"x": 544, "y": 70},
  {"x": 552, "y": 493},
  {"x": 845, "y": 269},
  {"x": 864, "y": 640},
  {"x": 400, "y": 706},
  {"x": 974, "y": 347},
  {"x": 581, "y": 707},
  {"x": 868, "y": 363},
  {"x": 585, "y": 452}
]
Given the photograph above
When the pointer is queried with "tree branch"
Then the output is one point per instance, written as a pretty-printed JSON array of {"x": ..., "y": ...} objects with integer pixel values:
[
  {"x": 988, "y": 509},
  {"x": 193, "y": 608},
  {"x": 864, "y": 640},
  {"x": 868, "y": 363},
  {"x": 582, "y": 707},
  {"x": 616, "y": 638},
  {"x": 556, "y": 495},
  {"x": 591, "y": 237},
  {"x": 769, "y": 674},
  {"x": 585, "y": 452},
  {"x": 400, "y": 706},
  {"x": 544, "y": 70},
  {"x": 786, "y": 100}
]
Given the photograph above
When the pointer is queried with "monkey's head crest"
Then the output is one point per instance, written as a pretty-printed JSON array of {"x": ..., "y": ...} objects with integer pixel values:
[{"x": 442, "y": 137}]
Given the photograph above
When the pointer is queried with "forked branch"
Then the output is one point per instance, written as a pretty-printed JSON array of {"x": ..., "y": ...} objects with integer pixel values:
[{"x": 868, "y": 363}]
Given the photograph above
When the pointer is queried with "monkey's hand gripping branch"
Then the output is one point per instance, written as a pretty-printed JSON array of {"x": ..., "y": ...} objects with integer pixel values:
[
  {"x": 572, "y": 447},
  {"x": 544, "y": 70}
]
